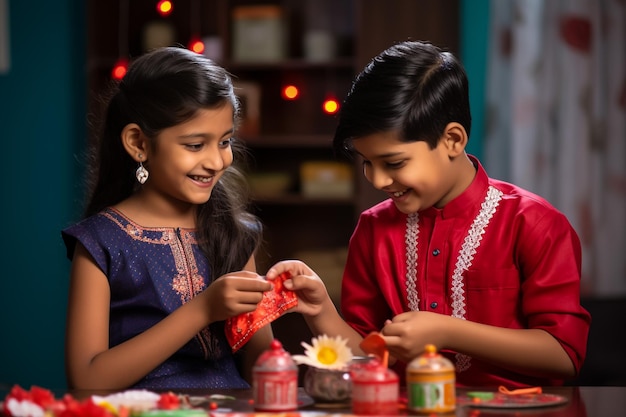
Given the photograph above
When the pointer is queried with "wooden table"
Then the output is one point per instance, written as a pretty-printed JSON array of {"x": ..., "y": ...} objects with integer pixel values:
[{"x": 581, "y": 402}]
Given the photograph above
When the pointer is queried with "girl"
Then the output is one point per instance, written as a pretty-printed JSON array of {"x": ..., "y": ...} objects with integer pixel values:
[{"x": 165, "y": 252}]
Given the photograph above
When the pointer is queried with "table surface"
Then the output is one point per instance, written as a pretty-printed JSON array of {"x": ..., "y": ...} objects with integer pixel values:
[{"x": 602, "y": 401}]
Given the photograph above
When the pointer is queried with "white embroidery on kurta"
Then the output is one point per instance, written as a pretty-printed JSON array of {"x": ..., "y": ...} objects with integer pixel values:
[
  {"x": 412, "y": 231},
  {"x": 463, "y": 262}
]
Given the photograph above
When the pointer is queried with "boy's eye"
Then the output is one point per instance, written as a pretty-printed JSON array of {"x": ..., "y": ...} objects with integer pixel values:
[{"x": 395, "y": 164}]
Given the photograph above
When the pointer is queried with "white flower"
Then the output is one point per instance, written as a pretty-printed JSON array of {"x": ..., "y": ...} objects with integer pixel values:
[
  {"x": 24, "y": 408},
  {"x": 325, "y": 352},
  {"x": 136, "y": 400}
]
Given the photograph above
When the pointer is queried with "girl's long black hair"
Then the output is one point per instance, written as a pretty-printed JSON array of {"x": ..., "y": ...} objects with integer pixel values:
[{"x": 164, "y": 88}]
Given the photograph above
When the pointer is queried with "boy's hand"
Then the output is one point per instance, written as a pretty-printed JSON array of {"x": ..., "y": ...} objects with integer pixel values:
[
  {"x": 407, "y": 333},
  {"x": 307, "y": 285}
]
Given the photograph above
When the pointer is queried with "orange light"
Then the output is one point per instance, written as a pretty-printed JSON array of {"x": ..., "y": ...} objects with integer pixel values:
[
  {"x": 330, "y": 106},
  {"x": 290, "y": 92},
  {"x": 165, "y": 7},
  {"x": 119, "y": 69},
  {"x": 196, "y": 45}
]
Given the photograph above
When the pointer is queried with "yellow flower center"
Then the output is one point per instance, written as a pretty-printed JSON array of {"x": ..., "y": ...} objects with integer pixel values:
[
  {"x": 326, "y": 355},
  {"x": 108, "y": 406}
]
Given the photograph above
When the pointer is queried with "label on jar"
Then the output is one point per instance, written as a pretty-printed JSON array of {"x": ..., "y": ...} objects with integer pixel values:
[
  {"x": 431, "y": 392},
  {"x": 275, "y": 391},
  {"x": 375, "y": 397}
]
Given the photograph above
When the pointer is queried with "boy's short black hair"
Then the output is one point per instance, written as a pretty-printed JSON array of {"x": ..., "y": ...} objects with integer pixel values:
[{"x": 412, "y": 87}]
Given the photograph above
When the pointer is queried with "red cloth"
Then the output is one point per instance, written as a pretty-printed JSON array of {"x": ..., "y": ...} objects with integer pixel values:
[
  {"x": 239, "y": 329},
  {"x": 525, "y": 274}
]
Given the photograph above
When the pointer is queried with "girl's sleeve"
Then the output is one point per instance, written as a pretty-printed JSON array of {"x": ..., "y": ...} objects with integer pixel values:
[{"x": 88, "y": 237}]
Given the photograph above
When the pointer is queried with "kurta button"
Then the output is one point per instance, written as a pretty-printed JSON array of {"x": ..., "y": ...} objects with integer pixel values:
[
  {"x": 433, "y": 305},
  {"x": 436, "y": 252}
]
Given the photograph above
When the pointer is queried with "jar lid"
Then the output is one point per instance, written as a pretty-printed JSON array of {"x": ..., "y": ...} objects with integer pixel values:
[
  {"x": 430, "y": 361},
  {"x": 275, "y": 359},
  {"x": 372, "y": 370}
]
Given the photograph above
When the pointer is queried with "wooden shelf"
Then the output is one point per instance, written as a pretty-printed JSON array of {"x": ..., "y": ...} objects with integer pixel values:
[
  {"x": 289, "y": 141},
  {"x": 288, "y": 133},
  {"x": 300, "y": 200},
  {"x": 291, "y": 64}
]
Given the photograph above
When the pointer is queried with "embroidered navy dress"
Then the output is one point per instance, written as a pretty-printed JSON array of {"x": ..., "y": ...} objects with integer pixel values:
[{"x": 152, "y": 272}]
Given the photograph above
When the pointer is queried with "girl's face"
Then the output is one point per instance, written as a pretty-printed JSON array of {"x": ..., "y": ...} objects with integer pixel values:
[
  {"x": 414, "y": 176},
  {"x": 188, "y": 159}
]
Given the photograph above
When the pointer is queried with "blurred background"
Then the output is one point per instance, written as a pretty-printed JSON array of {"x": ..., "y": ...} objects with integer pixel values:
[{"x": 548, "y": 96}]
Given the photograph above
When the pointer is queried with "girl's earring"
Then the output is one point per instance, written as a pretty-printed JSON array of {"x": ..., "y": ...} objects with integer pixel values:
[{"x": 141, "y": 173}]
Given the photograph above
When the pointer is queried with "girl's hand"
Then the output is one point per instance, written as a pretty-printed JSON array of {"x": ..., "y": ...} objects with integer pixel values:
[
  {"x": 407, "y": 333},
  {"x": 234, "y": 293},
  {"x": 308, "y": 286}
]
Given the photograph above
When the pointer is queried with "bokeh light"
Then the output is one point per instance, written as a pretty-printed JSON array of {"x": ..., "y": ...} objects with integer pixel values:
[
  {"x": 165, "y": 7},
  {"x": 119, "y": 69},
  {"x": 196, "y": 45},
  {"x": 290, "y": 92},
  {"x": 331, "y": 106}
]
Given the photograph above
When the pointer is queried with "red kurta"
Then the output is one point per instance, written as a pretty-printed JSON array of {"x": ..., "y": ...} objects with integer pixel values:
[{"x": 525, "y": 272}]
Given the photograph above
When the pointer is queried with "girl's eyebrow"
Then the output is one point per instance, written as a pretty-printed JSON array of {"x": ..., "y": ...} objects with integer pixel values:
[{"x": 205, "y": 135}]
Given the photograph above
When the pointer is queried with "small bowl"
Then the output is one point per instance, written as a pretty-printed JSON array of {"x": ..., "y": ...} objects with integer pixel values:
[{"x": 328, "y": 386}]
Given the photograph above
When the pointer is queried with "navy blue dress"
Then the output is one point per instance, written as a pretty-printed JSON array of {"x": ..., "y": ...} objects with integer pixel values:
[{"x": 152, "y": 272}]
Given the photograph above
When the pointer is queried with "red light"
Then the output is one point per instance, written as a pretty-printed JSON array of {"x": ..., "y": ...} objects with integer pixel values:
[
  {"x": 119, "y": 69},
  {"x": 165, "y": 7},
  {"x": 330, "y": 106},
  {"x": 196, "y": 45},
  {"x": 290, "y": 92}
]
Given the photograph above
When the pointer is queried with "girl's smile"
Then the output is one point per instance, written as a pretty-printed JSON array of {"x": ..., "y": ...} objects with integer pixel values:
[
  {"x": 189, "y": 159},
  {"x": 202, "y": 180}
]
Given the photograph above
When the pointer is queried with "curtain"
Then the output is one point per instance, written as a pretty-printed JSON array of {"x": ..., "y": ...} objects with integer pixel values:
[{"x": 556, "y": 119}]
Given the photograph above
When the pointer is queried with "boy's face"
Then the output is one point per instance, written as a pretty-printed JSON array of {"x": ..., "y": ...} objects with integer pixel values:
[{"x": 414, "y": 176}]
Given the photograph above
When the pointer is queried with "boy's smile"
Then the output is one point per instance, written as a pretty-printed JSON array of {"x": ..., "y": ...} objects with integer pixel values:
[{"x": 414, "y": 176}]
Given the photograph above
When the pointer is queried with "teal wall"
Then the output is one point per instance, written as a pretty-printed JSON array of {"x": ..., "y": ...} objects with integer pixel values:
[
  {"x": 474, "y": 44},
  {"x": 42, "y": 119}
]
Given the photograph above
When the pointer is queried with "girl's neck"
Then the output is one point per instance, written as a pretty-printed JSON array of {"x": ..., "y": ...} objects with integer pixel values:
[{"x": 147, "y": 211}]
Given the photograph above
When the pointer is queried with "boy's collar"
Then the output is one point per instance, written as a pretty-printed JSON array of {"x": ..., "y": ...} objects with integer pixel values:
[{"x": 472, "y": 196}]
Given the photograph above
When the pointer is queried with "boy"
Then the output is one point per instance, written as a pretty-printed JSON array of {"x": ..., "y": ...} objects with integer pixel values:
[{"x": 484, "y": 270}]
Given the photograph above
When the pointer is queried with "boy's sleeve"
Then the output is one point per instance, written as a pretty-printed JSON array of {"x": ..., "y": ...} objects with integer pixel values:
[
  {"x": 365, "y": 283},
  {"x": 551, "y": 260}
]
